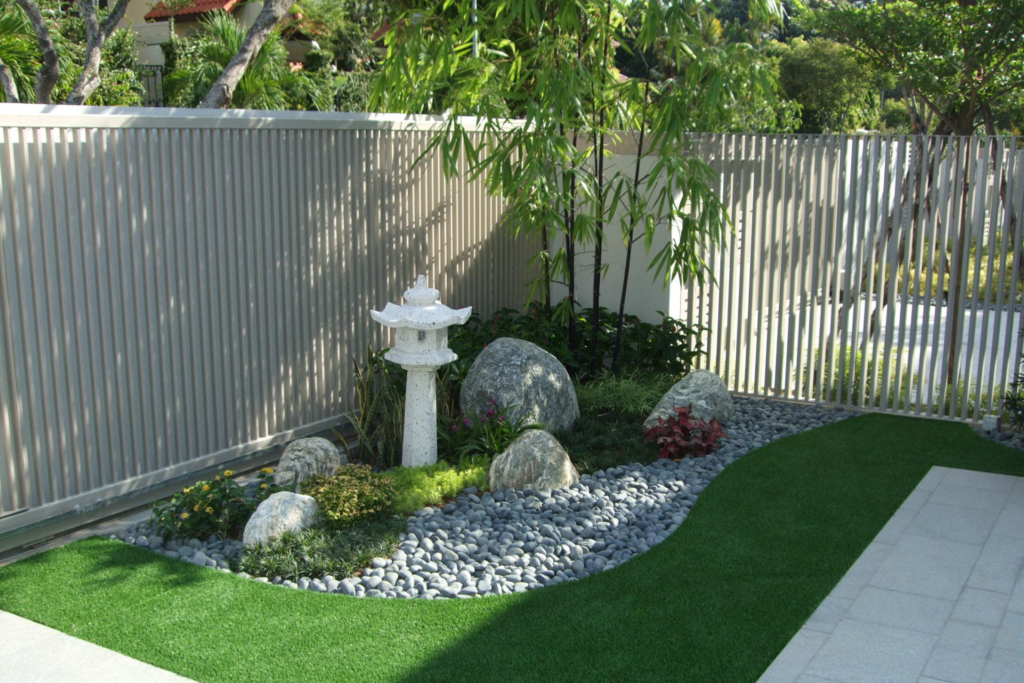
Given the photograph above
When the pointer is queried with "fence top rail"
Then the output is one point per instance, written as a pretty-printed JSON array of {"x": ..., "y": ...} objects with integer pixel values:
[{"x": 69, "y": 116}]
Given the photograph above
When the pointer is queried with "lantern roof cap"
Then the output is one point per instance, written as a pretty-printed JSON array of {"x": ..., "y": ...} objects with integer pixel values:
[{"x": 421, "y": 310}]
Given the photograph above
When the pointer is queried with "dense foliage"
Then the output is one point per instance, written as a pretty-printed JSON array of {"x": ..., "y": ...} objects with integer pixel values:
[
  {"x": 268, "y": 83},
  {"x": 321, "y": 552},
  {"x": 961, "y": 61},
  {"x": 682, "y": 435},
  {"x": 354, "y": 495},
  {"x": 216, "y": 506},
  {"x": 20, "y": 53},
  {"x": 670, "y": 346}
]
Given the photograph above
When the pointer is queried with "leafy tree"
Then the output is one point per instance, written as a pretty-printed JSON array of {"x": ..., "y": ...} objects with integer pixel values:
[
  {"x": 959, "y": 59},
  {"x": 554, "y": 65},
  {"x": 79, "y": 57},
  {"x": 268, "y": 82},
  {"x": 19, "y": 58},
  {"x": 837, "y": 92}
]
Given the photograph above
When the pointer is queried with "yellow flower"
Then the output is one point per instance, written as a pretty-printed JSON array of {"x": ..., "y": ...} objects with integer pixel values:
[
  {"x": 264, "y": 486},
  {"x": 267, "y": 470},
  {"x": 228, "y": 473},
  {"x": 209, "y": 511},
  {"x": 184, "y": 515},
  {"x": 195, "y": 509},
  {"x": 206, "y": 487},
  {"x": 217, "y": 478}
]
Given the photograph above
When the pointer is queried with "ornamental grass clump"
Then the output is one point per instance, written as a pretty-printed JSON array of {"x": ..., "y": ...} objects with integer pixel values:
[
  {"x": 683, "y": 435},
  {"x": 218, "y": 506},
  {"x": 355, "y": 494}
]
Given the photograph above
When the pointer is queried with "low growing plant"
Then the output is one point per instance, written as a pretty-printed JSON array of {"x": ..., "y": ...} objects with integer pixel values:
[
  {"x": 216, "y": 506},
  {"x": 355, "y": 494},
  {"x": 434, "y": 484},
  {"x": 320, "y": 551},
  {"x": 683, "y": 435},
  {"x": 606, "y": 440}
]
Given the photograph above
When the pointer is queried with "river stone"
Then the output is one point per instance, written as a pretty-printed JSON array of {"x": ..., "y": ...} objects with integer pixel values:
[
  {"x": 704, "y": 391},
  {"x": 304, "y": 458},
  {"x": 533, "y": 461},
  {"x": 525, "y": 380},
  {"x": 281, "y": 513}
]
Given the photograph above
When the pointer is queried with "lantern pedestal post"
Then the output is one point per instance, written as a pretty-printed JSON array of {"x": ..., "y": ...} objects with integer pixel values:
[{"x": 419, "y": 443}]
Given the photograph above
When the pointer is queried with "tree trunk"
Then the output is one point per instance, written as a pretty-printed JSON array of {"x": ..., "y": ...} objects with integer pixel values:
[
  {"x": 223, "y": 89},
  {"x": 7, "y": 82},
  {"x": 96, "y": 35},
  {"x": 617, "y": 348},
  {"x": 49, "y": 71}
]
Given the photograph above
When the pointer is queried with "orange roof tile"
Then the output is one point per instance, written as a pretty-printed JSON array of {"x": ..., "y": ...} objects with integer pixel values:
[{"x": 197, "y": 7}]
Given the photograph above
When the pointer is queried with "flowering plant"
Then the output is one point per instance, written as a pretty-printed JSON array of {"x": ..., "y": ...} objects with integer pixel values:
[
  {"x": 487, "y": 434},
  {"x": 215, "y": 506},
  {"x": 682, "y": 435}
]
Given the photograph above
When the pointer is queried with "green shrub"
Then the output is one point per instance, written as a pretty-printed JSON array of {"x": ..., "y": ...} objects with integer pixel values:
[
  {"x": 216, "y": 506},
  {"x": 433, "y": 484},
  {"x": 355, "y": 494},
  {"x": 634, "y": 393},
  {"x": 319, "y": 551},
  {"x": 318, "y": 60}
]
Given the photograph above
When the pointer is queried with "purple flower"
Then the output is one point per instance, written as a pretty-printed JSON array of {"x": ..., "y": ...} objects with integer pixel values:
[
  {"x": 484, "y": 419},
  {"x": 466, "y": 421},
  {"x": 455, "y": 427},
  {"x": 490, "y": 412},
  {"x": 501, "y": 419},
  {"x": 494, "y": 401}
]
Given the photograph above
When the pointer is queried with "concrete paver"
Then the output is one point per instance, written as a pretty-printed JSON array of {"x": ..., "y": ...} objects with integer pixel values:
[{"x": 937, "y": 597}]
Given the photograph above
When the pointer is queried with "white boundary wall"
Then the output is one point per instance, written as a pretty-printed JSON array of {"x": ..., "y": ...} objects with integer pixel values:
[{"x": 181, "y": 287}]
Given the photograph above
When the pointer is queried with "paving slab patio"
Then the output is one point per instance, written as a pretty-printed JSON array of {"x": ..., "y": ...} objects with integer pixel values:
[
  {"x": 33, "y": 653},
  {"x": 937, "y": 597}
]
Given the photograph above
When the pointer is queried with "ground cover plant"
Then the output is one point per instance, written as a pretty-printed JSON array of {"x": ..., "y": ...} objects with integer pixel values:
[
  {"x": 437, "y": 483},
  {"x": 322, "y": 552},
  {"x": 746, "y": 567}
]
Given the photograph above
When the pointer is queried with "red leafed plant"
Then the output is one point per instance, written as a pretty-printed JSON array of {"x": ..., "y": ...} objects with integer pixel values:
[{"x": 682, "y": 435}]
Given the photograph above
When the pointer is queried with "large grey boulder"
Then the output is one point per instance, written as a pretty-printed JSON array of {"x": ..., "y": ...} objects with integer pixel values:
[
  {"x": 536, "y": 461},
  {"x": 704, "y": 391},
  {"x": 281, "y": 513},
  {"x": 305, "y": 457},
  {"x": 525, "y": 380}
]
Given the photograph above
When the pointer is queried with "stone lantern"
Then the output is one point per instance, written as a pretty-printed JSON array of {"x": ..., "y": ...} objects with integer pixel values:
[{"x": 421, "y": 347}]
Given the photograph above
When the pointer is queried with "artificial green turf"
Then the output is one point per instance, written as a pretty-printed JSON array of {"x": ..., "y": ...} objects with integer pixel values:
[{"x": 716, "y": 601}]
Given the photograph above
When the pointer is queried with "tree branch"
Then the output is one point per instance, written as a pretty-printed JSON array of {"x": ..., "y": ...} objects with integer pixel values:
[
  {"x": 49, "y": 71},
  {"x": 223, "y": 88},
  {"x": 7, "y": 81},
  {"x": 95, "y": 36}
]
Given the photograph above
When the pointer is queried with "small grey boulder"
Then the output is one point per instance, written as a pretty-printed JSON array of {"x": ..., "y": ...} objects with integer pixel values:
[
  {"x": 536, "y": 461},
  {"x": 281, "y": 513},
  {"x": 304, "y": 458},
  {"x": 703, "y": 391},
  {"x": 525, "y": 380}
]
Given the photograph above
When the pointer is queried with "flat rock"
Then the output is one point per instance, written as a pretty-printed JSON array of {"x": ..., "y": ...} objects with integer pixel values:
[
  {"x": 703, "y": 391},
  {"x": 281, "y": 513},
  {"x": 525, "y": 380},
  {"x": 535, "y": 460}
]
